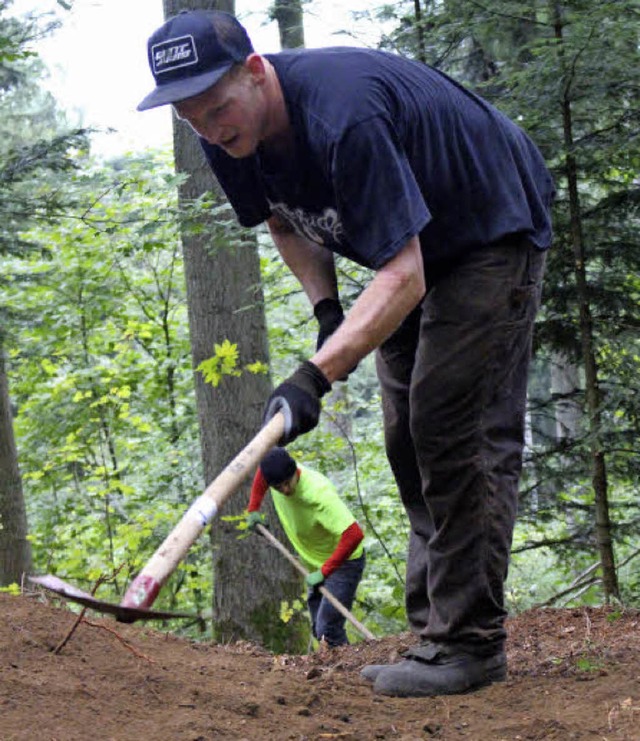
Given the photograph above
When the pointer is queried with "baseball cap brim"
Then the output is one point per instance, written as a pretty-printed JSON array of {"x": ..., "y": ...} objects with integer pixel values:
[{"x": 174, "y": 92}]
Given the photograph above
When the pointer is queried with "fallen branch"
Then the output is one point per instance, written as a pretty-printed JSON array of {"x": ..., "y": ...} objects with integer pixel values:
[
  {"x": 581, "y": 583},
  {"x": 101, "y": 580},
  {"x": 577, "y": 585},
  {"x": 70, "y": 632},
  {"x": 126, "y": 644},
  {"x": 587, "y": 586}
]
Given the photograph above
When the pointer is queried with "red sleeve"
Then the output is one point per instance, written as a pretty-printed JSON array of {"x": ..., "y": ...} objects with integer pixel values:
[
  {"x": 349, "y": 541},
  {"x": 258, "y": 489}
]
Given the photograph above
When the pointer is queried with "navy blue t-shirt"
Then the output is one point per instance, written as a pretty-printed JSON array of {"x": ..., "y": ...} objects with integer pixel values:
[{"x": 387, "y": 148}]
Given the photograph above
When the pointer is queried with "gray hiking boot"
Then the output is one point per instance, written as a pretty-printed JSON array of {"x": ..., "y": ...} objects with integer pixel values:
[
  {"x": 439, "y": 669},
  {"x": 371, "y": 671}
]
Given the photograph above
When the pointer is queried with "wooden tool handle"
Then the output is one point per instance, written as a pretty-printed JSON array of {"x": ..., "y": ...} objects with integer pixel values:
[
  {"x": 324, "y": 591},
  {"x": 145, "y": 587}
]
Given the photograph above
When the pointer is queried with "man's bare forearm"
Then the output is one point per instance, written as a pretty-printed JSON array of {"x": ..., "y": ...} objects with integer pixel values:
[
  {"x": 395, "y": 291},
  {"x": 312, "y": 264}
]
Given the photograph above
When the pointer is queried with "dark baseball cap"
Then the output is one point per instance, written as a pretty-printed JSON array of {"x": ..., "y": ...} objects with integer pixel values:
[
  {"x": 277, "y": 466},
  {"x": 191, "y": 52}
]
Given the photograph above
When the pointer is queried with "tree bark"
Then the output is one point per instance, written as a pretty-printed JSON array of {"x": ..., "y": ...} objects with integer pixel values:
[
  {"x": 225, "y": 302},
  {"x": 15, "y": 550},
  {"x": 288, "y": 14},
  {"x": 565, "y": 384}
]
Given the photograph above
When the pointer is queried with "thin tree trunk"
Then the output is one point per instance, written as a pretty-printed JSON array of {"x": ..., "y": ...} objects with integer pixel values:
[
  {"x": 593, "y": 396},
  {"x": 565, "y": 384},
  {"x": 288, "y": 14},
  {"x": 15, "y": 550},
  {"x": 225, "y": 302}
]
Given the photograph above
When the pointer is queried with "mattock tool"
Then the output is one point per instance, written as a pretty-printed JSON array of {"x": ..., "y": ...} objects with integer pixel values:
[{"x": 144, "y": 589}]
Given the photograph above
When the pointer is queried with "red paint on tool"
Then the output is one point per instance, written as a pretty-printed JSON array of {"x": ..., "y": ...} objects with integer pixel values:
[{"x": 141, "y": 593}]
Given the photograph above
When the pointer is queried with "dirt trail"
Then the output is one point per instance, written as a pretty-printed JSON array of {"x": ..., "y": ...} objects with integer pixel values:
[{"x": 574, "y": 674}]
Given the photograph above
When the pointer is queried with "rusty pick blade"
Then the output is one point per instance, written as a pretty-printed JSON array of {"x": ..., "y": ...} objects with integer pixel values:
[{"x": 122, "y": 614}]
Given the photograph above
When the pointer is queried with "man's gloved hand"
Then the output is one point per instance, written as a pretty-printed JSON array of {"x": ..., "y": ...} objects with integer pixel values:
[
  {"x": 256, "y": 518},
  {"x": 298, "y": 398},
  {"x": 329, "y": 314},
  {"x": 315, "y": 578}
]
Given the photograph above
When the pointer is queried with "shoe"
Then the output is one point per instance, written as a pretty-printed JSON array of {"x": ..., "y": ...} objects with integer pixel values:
[
  {"x": 371, "y": 671},
  {"x": 433, "y": 669}
]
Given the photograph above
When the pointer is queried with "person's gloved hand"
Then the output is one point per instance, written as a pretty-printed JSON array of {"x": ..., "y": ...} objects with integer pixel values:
[
  {"x": 298, "y": 398},
  {"x": 315, "y": 578},
  {"x": 256, "y": 518},
  {"x": 329, "y": 314}
]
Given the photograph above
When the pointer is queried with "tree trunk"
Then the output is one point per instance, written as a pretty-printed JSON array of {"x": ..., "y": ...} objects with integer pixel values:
[
  {"x": 225, "y": 302},
  {"x": 568, "y": 411},
  {"x": 565, "y": 384},
  {"x": 288, "y": 14},
  {"x": 15, "y": 550},
  {"x": 593, "y": 396}
]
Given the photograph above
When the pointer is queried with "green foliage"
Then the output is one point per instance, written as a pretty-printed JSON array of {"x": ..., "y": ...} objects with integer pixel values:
[
  {"x": 102, "y": 379},
  {"x": 224, "y": 362},
  {"x": 589, "y": 664},
  {"x": 11, "y": 589},
  {"x": 34, "y": 151},
  {"x": 288, "y": 610}
]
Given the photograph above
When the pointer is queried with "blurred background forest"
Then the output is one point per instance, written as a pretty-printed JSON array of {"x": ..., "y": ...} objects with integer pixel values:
[{"x": 141, "y": 331}]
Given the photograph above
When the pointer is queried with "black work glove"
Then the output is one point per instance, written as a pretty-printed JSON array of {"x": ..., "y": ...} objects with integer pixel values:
[
  {"x": 329, "y": 314},
  {"x": 298, "y": 398}
]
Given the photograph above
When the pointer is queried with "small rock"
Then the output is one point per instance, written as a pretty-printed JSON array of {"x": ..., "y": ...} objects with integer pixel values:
[{"x": 432, "y": 729}]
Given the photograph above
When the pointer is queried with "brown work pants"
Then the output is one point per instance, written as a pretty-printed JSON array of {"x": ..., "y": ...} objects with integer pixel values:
[{"x": 453, "y": 380}]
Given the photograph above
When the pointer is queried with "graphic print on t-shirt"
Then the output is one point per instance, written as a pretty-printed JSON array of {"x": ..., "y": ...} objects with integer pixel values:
[{"x": 322, "y": 228}]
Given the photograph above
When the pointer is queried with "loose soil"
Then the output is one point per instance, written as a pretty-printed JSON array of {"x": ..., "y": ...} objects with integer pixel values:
[{"x": 573, "y": 674}]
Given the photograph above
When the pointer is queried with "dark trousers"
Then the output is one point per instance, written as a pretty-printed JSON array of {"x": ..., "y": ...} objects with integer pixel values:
[
  {"x": 454, "y": 380},
  {"x": 326, "y": 621}
]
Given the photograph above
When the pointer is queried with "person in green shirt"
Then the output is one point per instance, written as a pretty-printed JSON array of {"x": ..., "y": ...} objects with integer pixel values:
[{"x": 321, "y": 529}]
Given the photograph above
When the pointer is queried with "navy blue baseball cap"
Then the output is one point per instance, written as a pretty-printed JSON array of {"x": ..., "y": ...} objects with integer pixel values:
[
  {"x": 277, "y": 466},
  {"x": 191, "y": 52}
]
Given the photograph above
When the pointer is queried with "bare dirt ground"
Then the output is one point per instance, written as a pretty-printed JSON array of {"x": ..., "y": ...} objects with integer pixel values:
[{"x": 574, "y": 674}]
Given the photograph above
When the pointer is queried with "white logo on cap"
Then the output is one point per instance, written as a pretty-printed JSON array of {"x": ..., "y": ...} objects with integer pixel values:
[{"x": 174, "y": 53}]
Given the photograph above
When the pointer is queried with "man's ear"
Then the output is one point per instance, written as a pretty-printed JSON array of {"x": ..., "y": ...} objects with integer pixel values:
[{"x": 254, "y": 63}]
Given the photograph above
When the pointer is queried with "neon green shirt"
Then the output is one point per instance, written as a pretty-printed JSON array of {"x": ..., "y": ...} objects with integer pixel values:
[{"x": 314, "y": 518}]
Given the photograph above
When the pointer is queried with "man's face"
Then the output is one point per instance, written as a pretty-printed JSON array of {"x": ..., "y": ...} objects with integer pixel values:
[
  {"x": 230, "y": 114},
  {"x": 288, "y": 486}
]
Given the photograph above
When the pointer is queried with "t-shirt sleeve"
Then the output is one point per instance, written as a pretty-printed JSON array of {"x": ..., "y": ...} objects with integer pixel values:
[
  {"x": 241, "y": 182},
  {"x": 379, "y": 201}
]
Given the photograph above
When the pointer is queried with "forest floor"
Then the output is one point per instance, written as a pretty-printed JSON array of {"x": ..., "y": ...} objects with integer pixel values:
[{"x": 573, "y": 674}]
